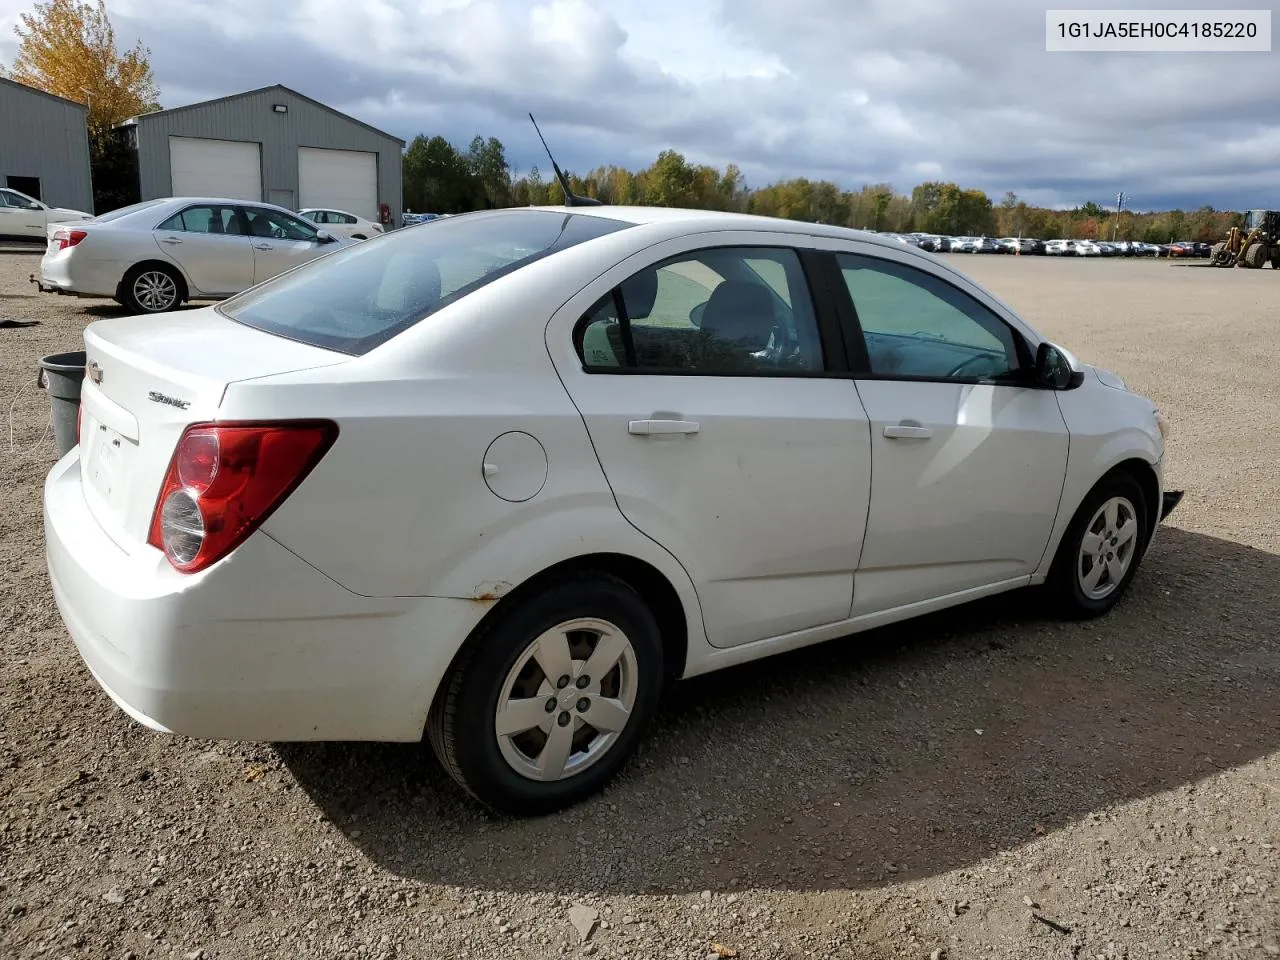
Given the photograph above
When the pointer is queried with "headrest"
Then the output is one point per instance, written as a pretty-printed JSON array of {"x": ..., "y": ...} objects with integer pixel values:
[{"x": 639, "y": 293}]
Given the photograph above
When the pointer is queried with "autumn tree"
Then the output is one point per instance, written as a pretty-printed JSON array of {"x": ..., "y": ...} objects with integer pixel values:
[{"x": 68, "y": 48}]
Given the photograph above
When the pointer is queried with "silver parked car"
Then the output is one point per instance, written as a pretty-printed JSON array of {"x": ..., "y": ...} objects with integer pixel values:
[{"x": 154, "y": 255}]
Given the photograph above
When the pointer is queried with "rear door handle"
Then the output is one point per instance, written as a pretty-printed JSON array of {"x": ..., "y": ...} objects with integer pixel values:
[
  {"x": 263, "y": 246},
  {"x": 170, "y": 240},
  {"x": 650, "y": 428},
  {"x": 903, "y": 431}
]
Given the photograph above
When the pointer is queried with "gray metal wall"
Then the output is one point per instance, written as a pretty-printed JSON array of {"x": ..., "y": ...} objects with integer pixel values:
[
  {"x": 250, "y": 118},
  {"x": 45, "y": 136}
]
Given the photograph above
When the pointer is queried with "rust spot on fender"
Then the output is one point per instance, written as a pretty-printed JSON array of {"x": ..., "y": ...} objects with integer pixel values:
[{"x": 490, "y": 592}]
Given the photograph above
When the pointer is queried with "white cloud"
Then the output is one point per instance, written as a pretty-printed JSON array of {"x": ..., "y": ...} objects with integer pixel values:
[{"x": 853, "y": 90}]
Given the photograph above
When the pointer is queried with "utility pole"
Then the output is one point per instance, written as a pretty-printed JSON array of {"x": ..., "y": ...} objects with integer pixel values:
[{"x": 1119, "y": 207}]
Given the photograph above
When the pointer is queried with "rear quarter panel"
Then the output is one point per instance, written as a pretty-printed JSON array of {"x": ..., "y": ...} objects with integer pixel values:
[{"x": 400, "y": 505}]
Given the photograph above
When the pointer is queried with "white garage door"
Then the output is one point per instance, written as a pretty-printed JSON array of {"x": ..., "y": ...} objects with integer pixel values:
[
  {"x": 338, "y": 179},
  {"x": 230, "y": 169}
]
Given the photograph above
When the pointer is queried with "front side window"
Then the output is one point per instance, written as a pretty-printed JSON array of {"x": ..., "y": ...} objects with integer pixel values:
[
  {"x": 742, "y": 311},
  {"x": 274, "y": 225},
  {"x": 363, "y": 295},
  {"x": 204, "y": 219},
  {"x": 917, "y": 325}
]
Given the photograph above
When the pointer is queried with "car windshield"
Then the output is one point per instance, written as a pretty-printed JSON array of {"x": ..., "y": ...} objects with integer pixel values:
[{"x": 362, "y": 296}]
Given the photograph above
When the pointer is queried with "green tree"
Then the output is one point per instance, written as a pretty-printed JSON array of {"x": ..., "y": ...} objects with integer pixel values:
[
  {"x": 669, "y": 182},
  {"x": 489, "y": 169}
]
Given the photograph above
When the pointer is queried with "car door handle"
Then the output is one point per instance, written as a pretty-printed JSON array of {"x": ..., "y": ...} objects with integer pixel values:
[
  {"x": 170, "y": 240},
  {"x": 263, "y": 246},
  {"x": 651, "y": 428},
  {"x": 904, "y": 431}
]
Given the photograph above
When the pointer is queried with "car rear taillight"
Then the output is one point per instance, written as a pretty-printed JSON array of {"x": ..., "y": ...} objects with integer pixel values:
[
  {"x": 68, "y": 238},
  {"x": 225, "y": 479}
]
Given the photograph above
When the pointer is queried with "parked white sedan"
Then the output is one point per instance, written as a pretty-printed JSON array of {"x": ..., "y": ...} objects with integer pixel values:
[
  {"x": 153, "y": 256},
  {"x": 26, "y": 218},
  {"x": 342, "y": 224},
  {"x": 505, "y": 479}
]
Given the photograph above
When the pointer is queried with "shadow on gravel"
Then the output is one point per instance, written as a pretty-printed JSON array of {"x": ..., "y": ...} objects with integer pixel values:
[{"x": 888, "y": 756}]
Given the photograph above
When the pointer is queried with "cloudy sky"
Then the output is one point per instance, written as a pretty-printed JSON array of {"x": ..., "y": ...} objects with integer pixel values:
[{"x": 856, "y": 91}]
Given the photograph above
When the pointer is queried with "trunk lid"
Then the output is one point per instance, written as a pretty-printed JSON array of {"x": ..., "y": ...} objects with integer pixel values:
[{"x": 147, "y": 379}]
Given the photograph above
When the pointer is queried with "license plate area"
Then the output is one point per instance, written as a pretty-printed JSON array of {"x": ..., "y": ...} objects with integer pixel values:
[{"x": 107, "y": 465}]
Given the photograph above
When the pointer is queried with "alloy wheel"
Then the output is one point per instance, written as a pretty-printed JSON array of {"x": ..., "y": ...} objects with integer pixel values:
[
  {"x": 567, "y": 699},
  {"x": 155, "y": 291},
  {"x": 1107, "y": 548}
]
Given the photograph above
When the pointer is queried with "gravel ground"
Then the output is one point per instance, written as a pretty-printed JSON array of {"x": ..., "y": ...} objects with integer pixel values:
[{"x": 985, "y": 783}]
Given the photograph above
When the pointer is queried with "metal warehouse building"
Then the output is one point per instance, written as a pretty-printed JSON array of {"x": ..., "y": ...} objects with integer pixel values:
[
  {"x": 44, "y": 146},
  {"x": 272, "y": 144}
]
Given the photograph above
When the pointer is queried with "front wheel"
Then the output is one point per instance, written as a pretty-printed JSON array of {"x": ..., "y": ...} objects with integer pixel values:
[
  {"x": 549, "y": 701},
  {"x": 1101, "y": 550},
  {"x": 1257, "y": 255}
]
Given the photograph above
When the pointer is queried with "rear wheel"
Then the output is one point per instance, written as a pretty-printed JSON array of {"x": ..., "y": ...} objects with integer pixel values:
[
  {"x": 1101, "y": 550},
  {"x": 152, "y": 288},
  {"x": 547, "y": 704}
]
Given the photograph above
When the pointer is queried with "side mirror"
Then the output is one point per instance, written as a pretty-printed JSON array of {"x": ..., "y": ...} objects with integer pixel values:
[
  {"x": 1055, "y": 369},
  {"x": 324, "y": 236}
]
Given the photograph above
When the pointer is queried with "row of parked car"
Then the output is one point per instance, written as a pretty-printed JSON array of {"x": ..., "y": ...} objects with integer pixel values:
[{"x": 1050, "y": 248}]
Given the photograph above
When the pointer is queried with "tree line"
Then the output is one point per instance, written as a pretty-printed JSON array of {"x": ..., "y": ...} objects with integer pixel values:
[{"x": 440, "y": 178}]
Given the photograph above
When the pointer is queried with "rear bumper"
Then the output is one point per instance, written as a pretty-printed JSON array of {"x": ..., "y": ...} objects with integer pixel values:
[
  {"x": 79, "y": 276},
  {"x": 258, "y": 647}
]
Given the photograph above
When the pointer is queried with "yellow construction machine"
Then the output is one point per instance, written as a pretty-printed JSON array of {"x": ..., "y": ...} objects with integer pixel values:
[{"x": 1252, "y": 245}]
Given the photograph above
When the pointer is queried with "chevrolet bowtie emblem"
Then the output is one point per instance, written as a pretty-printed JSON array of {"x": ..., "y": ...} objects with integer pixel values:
[{"x": 93, "y": 371}]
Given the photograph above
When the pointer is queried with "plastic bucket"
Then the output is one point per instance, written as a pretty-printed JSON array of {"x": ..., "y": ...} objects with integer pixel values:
[{"x": 61, "y": 375}]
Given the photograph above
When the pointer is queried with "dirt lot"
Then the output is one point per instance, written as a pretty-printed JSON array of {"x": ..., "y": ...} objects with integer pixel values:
[{"x": 929, "y": 790}]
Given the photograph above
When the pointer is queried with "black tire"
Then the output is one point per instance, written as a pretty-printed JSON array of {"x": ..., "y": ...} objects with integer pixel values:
[
  {"x": 145, "y": 289},
  {"x": 1256, "y": 256},
  {"x": 1064, "y": 582},
  {"x": 462, "y": 726}
]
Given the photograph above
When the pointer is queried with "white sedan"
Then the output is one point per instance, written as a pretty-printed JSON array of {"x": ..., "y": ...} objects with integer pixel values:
[
  {"x": 153, "y": 256},
  {"x": 342, "y": 224},
  {"x": 26, "y": 218},
  {"x": 503, "y": 481}
]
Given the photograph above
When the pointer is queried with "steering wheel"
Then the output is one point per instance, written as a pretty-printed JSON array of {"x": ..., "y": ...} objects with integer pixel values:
[{"x": 958, "y": 369}]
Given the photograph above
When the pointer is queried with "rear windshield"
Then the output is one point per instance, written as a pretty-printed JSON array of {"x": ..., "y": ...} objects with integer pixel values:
[
  {"x": 363, "y": 295},
  {"x": 119, "y": 212}
]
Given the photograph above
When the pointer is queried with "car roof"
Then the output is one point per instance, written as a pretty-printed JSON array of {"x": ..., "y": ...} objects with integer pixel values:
[{"x": 699, "y": 221}]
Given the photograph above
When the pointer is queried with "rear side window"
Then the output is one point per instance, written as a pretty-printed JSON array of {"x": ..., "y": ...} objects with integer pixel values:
[
  {"x": 363, "y": 295},
  {"x": 204, "y": 220},
  {"x": 720, "y": 311}
]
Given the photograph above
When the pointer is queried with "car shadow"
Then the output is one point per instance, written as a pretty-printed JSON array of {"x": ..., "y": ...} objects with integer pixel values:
[{"x": 889, "y": 756}]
